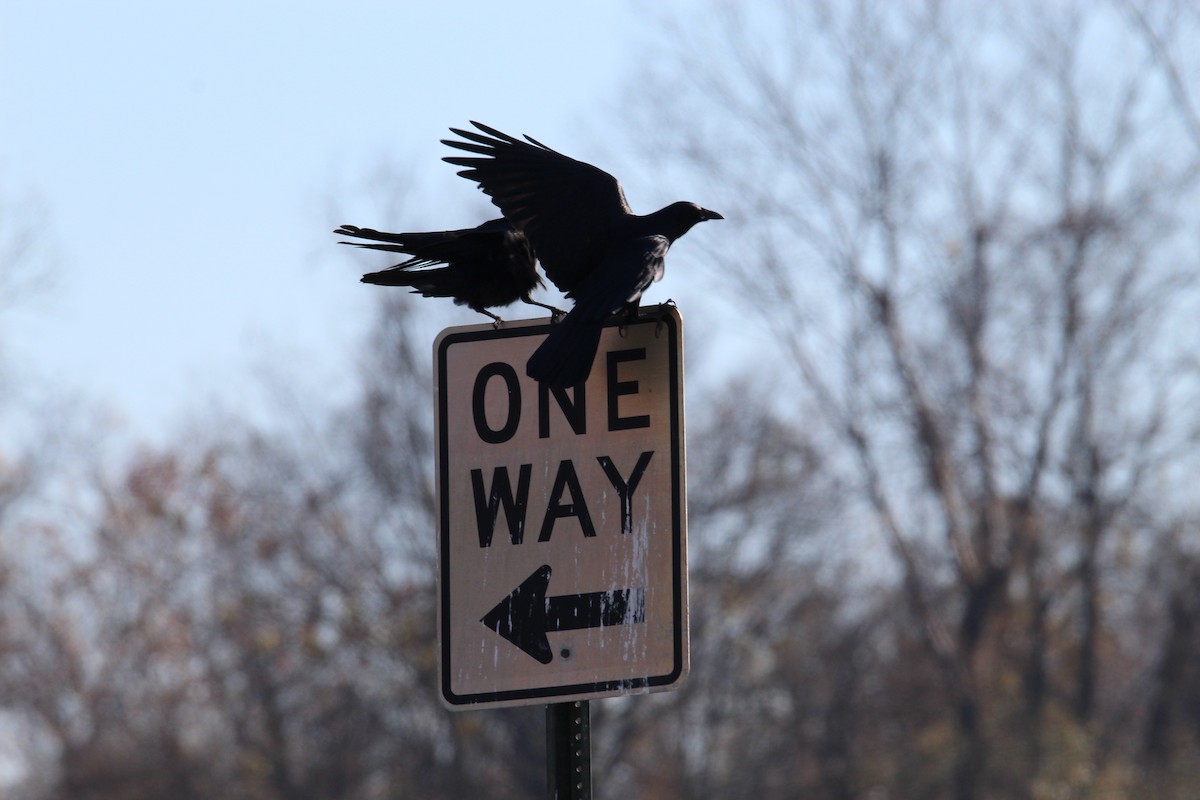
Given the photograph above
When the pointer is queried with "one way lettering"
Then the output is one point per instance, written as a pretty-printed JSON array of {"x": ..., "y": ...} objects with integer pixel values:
[{"x": 566, "y": 499}]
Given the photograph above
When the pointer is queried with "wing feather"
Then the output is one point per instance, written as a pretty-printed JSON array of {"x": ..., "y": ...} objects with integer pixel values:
[{"x": 566, "y": 208}]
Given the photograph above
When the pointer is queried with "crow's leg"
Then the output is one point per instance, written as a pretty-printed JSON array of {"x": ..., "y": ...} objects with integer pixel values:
[
  {"x": 496, "y": 321},
  {"x": 629, "y": 315},
  {"x": 660, "y": 317},
  {"x": 556, "y": 314}
]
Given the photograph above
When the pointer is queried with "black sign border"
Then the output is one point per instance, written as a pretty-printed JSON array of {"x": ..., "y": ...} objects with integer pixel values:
[{"x": 668, "y": 317}]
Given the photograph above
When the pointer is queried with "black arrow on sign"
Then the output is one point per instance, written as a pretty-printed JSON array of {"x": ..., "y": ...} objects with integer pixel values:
[{"x": 527, "y": 615}]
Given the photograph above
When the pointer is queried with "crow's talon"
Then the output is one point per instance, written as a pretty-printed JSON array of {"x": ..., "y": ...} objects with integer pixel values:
[
  {"x": 555, "y": 313},
  {"x": 660, "y": 318},
  {"x": 496, "y": 321}
]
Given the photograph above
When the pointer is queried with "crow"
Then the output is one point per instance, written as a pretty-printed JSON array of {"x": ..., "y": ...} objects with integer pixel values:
[
  {"x": 590, "y": 244},
  {"x": 484, "y": 267}
]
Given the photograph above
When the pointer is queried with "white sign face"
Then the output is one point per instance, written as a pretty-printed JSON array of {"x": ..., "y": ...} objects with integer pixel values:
[{"x": 562, "y": 532}]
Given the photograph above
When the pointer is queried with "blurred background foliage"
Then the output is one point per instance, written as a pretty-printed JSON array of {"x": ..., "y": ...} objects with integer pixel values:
[{"x": 944, "y": 526}]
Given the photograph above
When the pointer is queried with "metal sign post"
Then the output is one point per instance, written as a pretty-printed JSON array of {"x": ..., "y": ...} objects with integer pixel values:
[{"x": 569, "y": 751}]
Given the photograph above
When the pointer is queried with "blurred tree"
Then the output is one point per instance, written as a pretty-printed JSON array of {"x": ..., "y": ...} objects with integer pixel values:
[
  {"x": 24, "y": 269},
  {"x": 942, "y": 539},
  {"x": 961, "y": 226}
]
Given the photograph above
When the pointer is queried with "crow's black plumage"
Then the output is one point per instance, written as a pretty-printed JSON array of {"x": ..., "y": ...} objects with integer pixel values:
[
  {"x": 589, "y": 242},
  {"x": 484, "y": 267}
]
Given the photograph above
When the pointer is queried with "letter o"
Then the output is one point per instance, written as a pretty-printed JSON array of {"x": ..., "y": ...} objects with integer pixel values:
[{"x": 486, "y": 433}]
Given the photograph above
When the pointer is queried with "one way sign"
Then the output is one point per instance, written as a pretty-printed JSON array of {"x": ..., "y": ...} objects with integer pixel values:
[{"x": 562, "y": 517}]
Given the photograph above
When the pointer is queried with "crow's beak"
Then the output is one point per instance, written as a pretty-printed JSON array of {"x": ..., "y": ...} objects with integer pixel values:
[{"x": 706, "y": 214}]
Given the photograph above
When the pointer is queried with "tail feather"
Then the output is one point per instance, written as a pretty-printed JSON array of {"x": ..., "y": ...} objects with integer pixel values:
[
  {"x": 565, "y": 358},
  {"x": 428, "y": 281}
]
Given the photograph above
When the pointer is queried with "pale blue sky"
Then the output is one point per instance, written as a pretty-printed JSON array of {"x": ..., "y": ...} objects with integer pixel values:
[{"x": 187, "y": 154}]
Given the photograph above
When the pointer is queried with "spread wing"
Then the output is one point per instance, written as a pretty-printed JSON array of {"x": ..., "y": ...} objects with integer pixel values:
[{"x": 566, "y": 208}]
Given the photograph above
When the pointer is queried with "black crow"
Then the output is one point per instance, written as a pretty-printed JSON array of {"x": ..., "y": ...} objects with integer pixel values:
[
  {"x": 484, "y": 267},
  {"x": 589, "y": 242}
]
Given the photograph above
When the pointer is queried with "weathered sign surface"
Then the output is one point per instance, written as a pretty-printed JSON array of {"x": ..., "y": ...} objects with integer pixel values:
[{"x": 562, "y": 533}]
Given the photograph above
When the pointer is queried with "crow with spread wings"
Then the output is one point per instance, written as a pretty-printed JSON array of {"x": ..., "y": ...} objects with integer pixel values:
[{"x": 589, "y": 242}]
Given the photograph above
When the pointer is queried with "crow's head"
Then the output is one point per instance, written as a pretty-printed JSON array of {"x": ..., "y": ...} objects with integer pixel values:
[{"x": 678, "y": 218}]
